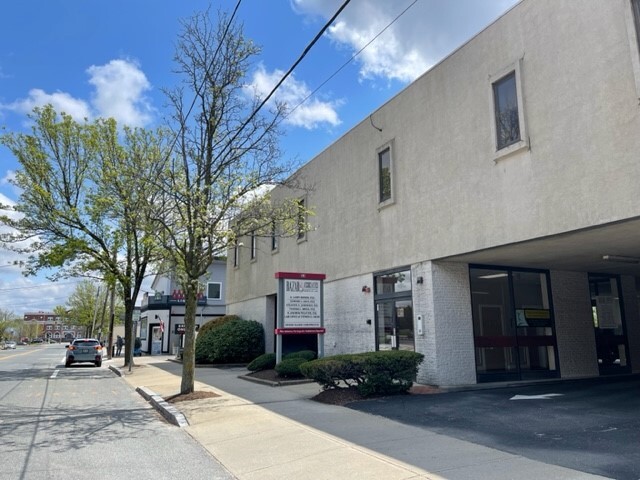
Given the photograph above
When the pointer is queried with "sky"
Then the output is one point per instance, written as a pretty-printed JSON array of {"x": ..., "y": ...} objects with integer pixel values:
[{"x": 113, "y": 59}]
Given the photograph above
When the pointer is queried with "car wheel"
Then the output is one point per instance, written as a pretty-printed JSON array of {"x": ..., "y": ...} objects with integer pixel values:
[
  {"x": 98, "y": 364},
  {"x": 67, "y": 364}
]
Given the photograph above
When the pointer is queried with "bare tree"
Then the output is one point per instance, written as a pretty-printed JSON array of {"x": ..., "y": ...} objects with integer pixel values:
[{"x": 226, "y": 158}]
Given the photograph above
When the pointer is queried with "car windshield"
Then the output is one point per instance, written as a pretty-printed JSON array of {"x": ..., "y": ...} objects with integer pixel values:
[{"x": 86, "y": 343}]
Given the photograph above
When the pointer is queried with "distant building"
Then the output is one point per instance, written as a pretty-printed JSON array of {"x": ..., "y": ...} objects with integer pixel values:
[
  {"x": 52, "y": 327},
  {"x": 162, "y": 311}
]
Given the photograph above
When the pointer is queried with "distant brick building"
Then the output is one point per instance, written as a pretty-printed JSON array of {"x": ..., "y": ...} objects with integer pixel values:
[{"x": 52, "y": 326}]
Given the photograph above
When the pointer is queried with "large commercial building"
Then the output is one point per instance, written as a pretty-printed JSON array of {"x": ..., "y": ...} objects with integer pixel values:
[{"x": 488, "y": 216}]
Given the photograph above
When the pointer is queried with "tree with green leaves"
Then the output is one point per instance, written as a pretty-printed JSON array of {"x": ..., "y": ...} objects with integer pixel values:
[
  {"x": 224, "y": 162},
  {"x": 87, "y": 200},
  {"x": 9, "y": 322}
]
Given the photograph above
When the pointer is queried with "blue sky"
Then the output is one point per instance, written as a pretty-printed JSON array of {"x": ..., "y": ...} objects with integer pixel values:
[{"x": 113, "y": 58}]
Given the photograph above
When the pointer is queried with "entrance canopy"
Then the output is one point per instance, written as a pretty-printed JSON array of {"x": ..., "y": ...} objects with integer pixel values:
[{"x": 580, "y": 250}]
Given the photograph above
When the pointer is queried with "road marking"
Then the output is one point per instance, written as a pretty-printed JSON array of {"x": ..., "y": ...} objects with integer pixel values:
[
  {"x": 17, "y": 354},
  {"x": 544, "y": 396},
  {"x": 55, "y": 373}
]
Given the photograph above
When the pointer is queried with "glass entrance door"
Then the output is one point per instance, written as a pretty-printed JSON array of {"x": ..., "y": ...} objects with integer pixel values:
[
  {"x": 513, "y": 324},
  {"x": 609, "y": 325},
  {"x": 394, "y": 324}
]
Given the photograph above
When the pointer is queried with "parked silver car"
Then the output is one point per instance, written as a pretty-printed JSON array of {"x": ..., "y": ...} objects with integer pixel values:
[
  {"x": 84, "y": 350},
  {"x": 10, "y": 344}
]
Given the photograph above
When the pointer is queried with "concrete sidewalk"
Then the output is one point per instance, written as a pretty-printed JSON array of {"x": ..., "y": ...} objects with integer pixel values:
[{"x": 260, "y": 432}]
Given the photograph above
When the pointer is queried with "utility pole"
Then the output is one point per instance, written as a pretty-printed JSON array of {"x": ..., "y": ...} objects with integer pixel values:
[
  {"x": 95, "y": 312},
  {"x": 112, "y": 308}
]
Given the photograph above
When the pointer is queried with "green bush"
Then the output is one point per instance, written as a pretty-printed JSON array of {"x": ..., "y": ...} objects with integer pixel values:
[
  {"x": 230, "y": 341},
  {"x": 374, "y": 373},
  {"x": 306, "y": 354},
  {"x": 290, "y": 367},
  {"x": 266, "y": 361}
]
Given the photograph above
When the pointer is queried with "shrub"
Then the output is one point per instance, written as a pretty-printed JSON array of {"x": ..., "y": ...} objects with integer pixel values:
[
  {"x": 375, "y": 373},
  {"x": 290, "y": 367},
  {"x": 266, "y": 361},
  {"x": 230, "y": 341},
  {"x": 306, "y": 354}
]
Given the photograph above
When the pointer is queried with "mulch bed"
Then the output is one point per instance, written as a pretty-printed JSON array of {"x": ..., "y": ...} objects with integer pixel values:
[{"x": 197, "y": 395}]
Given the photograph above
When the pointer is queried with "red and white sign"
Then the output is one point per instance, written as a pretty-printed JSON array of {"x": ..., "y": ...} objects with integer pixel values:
[{"x": 299, "y": 331}]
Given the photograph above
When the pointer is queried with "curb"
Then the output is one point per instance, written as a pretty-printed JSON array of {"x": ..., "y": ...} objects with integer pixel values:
[
  {"x": 271, "y": 383},
  {"x": 116, "y": 370},
  {"x": 172, "y": 414}
]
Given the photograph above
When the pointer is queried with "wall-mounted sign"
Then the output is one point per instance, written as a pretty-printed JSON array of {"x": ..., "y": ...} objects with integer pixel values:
[{"x": 179, "y": 328}]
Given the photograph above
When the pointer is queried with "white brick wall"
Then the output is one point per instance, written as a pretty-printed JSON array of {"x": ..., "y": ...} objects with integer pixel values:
[
  {"x": 346, "y": 311},
  {"x": 444, "y": 300}
]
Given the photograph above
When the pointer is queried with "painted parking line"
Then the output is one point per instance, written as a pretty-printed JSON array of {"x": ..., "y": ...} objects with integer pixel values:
[
  {"x": 55, "y": 373},
  {"x": 544, "y": 396}
]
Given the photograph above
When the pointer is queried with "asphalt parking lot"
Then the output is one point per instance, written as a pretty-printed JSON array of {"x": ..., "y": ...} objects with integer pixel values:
[{"x": 587, "y": 425}]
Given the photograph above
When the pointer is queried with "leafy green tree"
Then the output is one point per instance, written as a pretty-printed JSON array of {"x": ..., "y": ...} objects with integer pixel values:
[
  {"x": 225, "y": 151},
  {"x": 9, "y": 322},
  {"x": 87, "y": 201}
]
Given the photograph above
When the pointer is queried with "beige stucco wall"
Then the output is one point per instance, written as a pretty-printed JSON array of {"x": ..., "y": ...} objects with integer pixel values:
[{"x": 451, "y": 197}]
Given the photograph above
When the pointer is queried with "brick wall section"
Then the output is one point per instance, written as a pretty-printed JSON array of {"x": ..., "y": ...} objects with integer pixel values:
[
  {"x": 632, "y": 320},
  {"x": 346, "y": 311},
  {"x": 574, "y": 324},
  {"x": 444, "y": 300}
]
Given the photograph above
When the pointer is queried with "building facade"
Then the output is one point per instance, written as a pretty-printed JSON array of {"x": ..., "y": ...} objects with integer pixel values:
[
  {"x": 487, "y": 216},
  {"x": 162, "y": 312},
  {"x": 50, "y": 326}
]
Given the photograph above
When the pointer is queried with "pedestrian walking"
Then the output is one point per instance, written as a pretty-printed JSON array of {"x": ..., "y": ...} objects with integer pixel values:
[{"x": 119, "y": 344}]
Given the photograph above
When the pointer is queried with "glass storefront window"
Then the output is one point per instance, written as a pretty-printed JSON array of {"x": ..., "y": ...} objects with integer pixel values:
[{"x": 513, "y": 324}]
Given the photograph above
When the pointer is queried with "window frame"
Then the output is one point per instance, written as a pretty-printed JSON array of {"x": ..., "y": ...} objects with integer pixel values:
[
  {"x": 274, "y": 238},
  {"x": 254, "y": 245},
  {"x": 522, "y": 144},
  {"x": 633, "y": 32},
  {"x": 387, "y": 147},
  {"x": 301, "y": 218},
  {"x": 219, "y": 291}
]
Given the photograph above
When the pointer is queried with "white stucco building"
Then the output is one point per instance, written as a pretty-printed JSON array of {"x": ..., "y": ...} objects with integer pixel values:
[
  {"x": 488, "y": 216},
  {"x": 162, "y": 311}
]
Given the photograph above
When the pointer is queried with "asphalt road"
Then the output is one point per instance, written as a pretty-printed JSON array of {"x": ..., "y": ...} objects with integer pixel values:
[
  {"x": 591, "y": 426},
  {"x": 86, "y": 422}
]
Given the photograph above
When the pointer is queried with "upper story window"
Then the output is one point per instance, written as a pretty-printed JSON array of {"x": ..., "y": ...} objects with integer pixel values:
[
  {"x": 274, "y": 236},
  {"x": 505, "y": 97},
  {"x": 507, "y": 107},
  {"x": 384, "y": 174},
  {"x": 635, "y": 6},
  {"x": 236, "y": 254},
  {"x": 254, "y": 245},
  {"x": 214, "y": 290},
  {"x": 302, "y": 219}
]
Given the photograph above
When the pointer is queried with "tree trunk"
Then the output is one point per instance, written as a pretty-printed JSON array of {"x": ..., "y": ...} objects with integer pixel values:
[
  {"x": 128, "y": 330},
  {"x": 189, "y": 353}
]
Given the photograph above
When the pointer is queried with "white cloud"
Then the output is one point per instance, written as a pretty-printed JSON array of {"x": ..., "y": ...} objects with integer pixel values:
[
  {"x": 427, "y": 32},
  {"x": 120, "y": 88},
  {"x": 8, "y": 178},
  {"x": 62, "y": 102},
  {"x": 119, "y": 92},
  {"x": 292, "y": 92}
]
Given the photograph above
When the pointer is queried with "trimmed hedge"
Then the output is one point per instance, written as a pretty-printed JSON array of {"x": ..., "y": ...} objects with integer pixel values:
[
  {"x": 290, "y": 367},
  {"x": 266, "y": 361},
  {"x": 230, "y": 341},
  {"x": 374, "y": 373}
]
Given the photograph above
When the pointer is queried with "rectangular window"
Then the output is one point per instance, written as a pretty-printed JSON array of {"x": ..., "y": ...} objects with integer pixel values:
[
  {"x": 505, "y": 97},
  {"x": 254, "y": 245},
  {"x": 302, "y": 219},
  {"x": 214, "y": 291},
  {"x": 384, "y": 169},
  {"x": 635, "y": 6},
  {"x": 274, "y": 236},
  {"x": 236, "y": 254}
]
